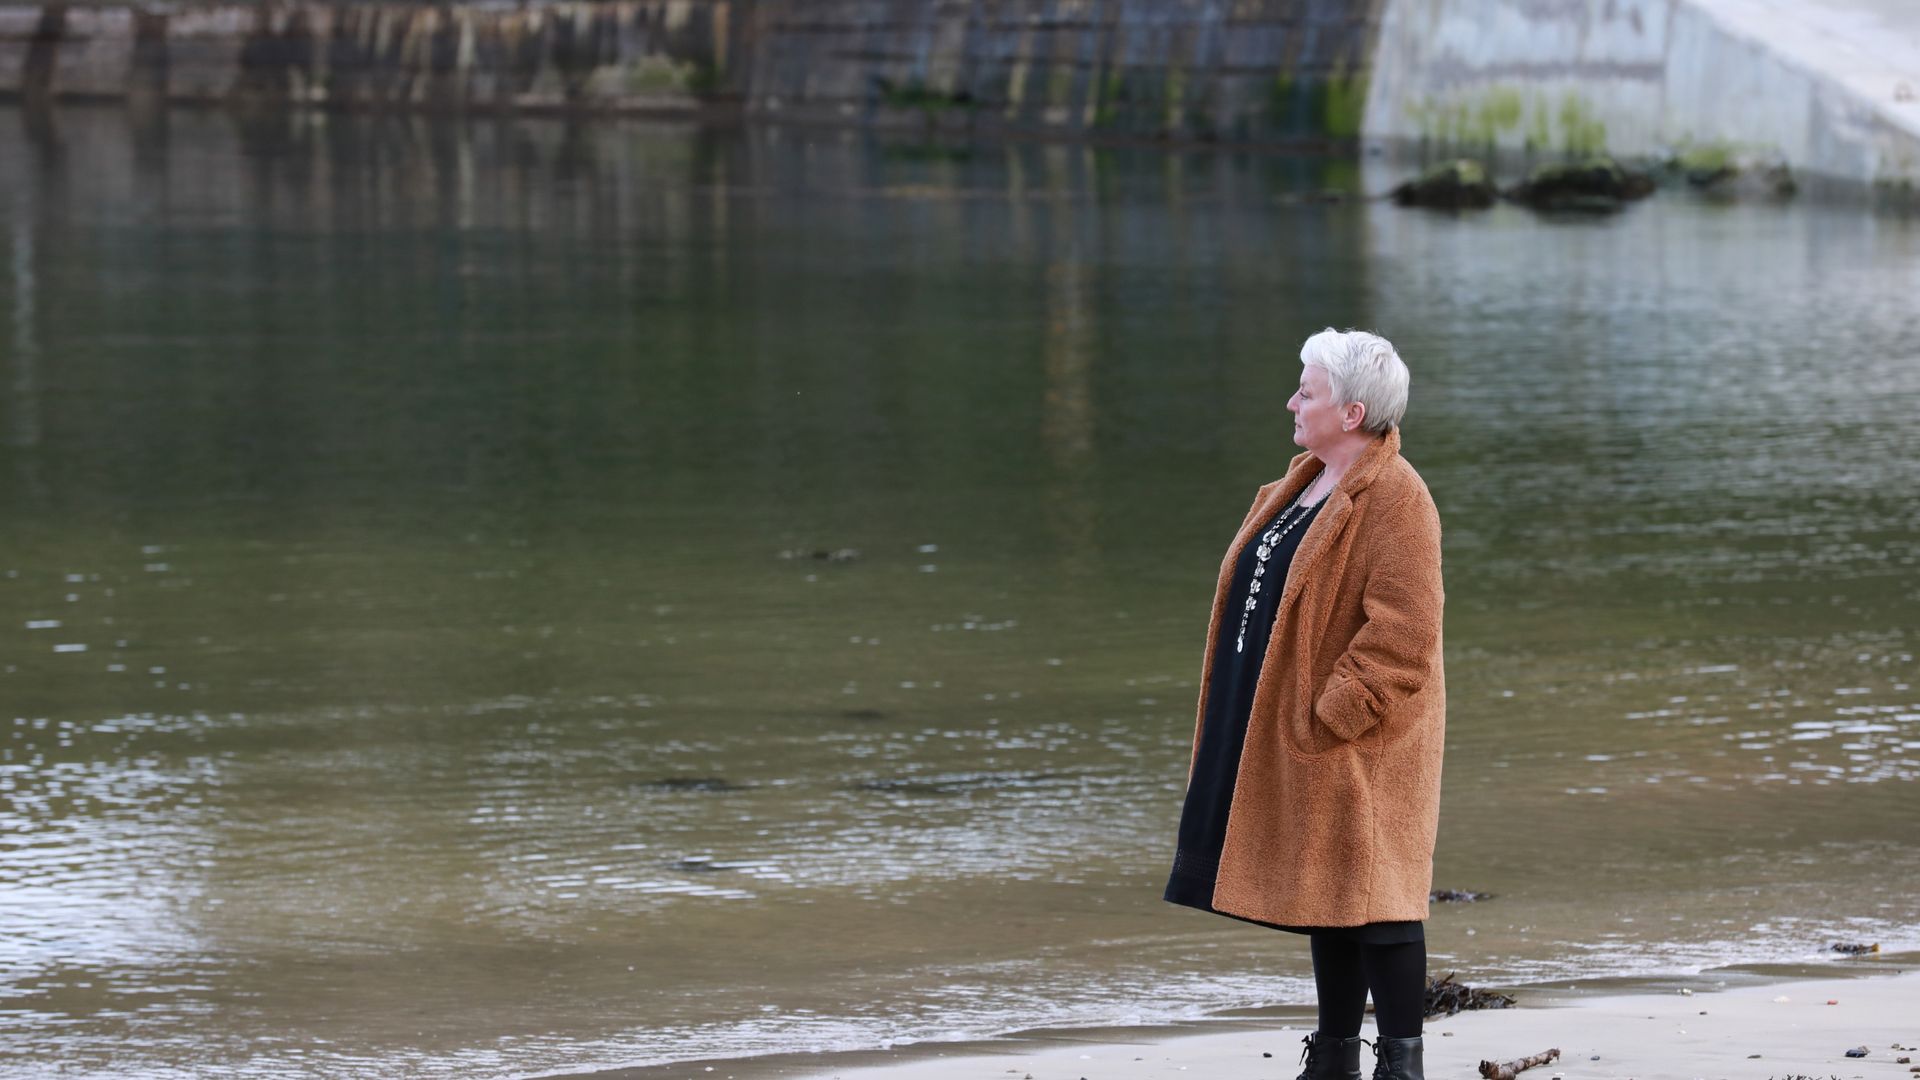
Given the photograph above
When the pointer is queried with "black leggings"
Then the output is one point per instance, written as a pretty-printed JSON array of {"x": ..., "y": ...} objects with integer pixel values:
[{"x": 1344, "y": 970}]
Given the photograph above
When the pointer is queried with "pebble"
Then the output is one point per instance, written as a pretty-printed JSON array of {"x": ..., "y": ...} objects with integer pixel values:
[{"x": 1858, "y": 1051}]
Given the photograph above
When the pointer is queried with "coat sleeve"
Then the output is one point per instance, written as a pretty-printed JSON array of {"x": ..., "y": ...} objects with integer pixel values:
[{"x": 1393, "y": 655}]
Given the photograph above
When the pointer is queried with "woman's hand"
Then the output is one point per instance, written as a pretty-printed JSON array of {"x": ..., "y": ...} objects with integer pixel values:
[{"x": 1390, "y": 659}]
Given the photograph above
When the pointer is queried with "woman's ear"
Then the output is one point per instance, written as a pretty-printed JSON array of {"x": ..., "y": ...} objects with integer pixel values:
[{"x": 1356, "y": 414}]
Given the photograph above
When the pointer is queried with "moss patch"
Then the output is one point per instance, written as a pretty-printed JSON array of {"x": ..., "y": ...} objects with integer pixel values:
[
  {"x": 1333, "y": 107},
  {"x": 1344, "y": 106},
  {"x": 1113, "y": 94},
  {"x": 1582, "y": 134},
  {"x": 652, "y": 75}
]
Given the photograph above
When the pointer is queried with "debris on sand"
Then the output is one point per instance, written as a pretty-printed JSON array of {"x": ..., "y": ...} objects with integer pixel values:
[{"x": 1446, "y": 997}]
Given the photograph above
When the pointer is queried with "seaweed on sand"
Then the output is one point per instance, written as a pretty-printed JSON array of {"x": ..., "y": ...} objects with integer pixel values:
[{"x": 1446, "y": 997}]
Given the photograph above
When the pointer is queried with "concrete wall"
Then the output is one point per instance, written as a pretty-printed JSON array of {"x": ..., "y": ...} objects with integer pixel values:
[{"x": 1816, "y": 83}]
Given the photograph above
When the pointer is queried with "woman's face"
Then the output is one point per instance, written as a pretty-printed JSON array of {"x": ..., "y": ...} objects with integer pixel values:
[{"x": 1317, "y": 423}]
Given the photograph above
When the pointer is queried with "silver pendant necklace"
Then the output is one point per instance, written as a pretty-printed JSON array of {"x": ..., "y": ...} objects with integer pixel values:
[{"x": 1270, "y": 540}]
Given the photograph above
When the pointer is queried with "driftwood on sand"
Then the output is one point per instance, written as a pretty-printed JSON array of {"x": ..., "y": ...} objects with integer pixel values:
[{"x": 1507, "y": 1070}]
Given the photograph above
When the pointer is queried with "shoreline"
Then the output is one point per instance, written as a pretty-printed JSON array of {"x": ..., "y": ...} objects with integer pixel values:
[{"x": 1703, "y": 1026}]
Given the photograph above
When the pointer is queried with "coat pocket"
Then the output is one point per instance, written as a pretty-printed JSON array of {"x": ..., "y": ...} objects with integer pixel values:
[{"x": 1345, "y": 708}]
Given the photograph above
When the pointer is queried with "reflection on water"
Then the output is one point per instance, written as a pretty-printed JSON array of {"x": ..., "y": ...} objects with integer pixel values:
[{"x": 505, "y": 597}]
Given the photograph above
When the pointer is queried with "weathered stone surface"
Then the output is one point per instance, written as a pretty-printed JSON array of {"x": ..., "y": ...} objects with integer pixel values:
[
  {"x": 627, "y": 54},
  {"x": 95, "y": 57},
  {"x": 1460, "y": 184},
  {"x": 18, "y": 28},
  {"x": 1598, "y": 184},
  {"x": 1246, "y": 70}
]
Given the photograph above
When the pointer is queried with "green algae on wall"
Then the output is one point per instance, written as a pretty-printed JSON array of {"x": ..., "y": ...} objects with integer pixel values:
[
  {"x": 1331, "y": 107},
  {"x": 1506, "y": 115},
  {"x": 1500, "y": 112},
  {"x": 1581, "y": 133},
  {"x": 1345, "y": 105}
]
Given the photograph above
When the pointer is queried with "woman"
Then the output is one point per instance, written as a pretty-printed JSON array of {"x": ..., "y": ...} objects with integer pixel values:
[{"x": 1314, "y": 789}]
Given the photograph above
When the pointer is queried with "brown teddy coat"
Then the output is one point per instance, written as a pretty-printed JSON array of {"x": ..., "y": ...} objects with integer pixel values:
[{"x": 1338, "y": 791}]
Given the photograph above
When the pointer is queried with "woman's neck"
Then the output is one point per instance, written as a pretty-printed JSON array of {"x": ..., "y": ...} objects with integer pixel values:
[{"x": 1335, "y": 461}]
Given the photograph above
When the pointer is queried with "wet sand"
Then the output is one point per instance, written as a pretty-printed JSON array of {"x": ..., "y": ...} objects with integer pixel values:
[
  {"x": 1791, "y": 1028},
  {"x": 1778, "y": 1030}
]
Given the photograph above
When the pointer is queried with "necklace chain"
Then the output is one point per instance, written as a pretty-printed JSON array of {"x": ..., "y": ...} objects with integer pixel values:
[{"x": 1269, "y": 541}]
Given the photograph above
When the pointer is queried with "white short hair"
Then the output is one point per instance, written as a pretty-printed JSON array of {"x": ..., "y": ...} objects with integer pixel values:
[{"x": 1361, "y": 367}]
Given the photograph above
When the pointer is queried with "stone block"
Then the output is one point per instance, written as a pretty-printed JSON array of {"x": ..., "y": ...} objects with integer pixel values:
[
  {"x": 18, "y": 25},
  {"x": 95, "y": 55}
]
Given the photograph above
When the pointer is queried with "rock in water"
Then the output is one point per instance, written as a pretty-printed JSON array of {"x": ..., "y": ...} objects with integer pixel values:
[
  {"x": 1597, "y": 185},
  {"x": 1460, "y": 184},
  {"x": 1723, "y": 172}
]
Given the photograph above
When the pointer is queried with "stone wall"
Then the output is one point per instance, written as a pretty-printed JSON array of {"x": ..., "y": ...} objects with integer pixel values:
[
  {"x": 1239, "y": 70},
  {"x": 1244, "y": 70},
  {"x": 626, "y": 54}
]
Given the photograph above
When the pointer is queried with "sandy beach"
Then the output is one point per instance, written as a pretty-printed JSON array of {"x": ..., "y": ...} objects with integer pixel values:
[{"x": 1800, "y": 1028}]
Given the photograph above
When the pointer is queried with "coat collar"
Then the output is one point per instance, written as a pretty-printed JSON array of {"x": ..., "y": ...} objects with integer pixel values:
[
  {"x": 1333, "y": 512},
  {"x": 1304, "y": 467}
]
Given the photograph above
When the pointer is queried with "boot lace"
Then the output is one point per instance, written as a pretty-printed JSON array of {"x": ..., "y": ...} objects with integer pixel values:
[{"x": 1310, "y": 1052}]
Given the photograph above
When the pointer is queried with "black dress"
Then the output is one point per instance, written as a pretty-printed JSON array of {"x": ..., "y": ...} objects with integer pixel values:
[{"x": 1236, "y": 671}]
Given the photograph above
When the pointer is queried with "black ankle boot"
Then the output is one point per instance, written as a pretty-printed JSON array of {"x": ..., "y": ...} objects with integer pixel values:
[
  {"x": 1328, "y": 1058},
  {"x": 1398, "y": 1059}
]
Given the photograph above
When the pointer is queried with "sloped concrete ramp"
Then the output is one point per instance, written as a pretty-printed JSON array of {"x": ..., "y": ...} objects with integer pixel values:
[{"x": 1832, "y": 87}]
